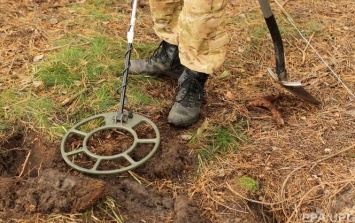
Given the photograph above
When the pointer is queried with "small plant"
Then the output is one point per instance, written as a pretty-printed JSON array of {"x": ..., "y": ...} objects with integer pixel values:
[{"x": 248, "y": 183}]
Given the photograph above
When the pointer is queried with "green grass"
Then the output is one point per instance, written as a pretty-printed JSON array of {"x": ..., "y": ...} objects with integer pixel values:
[
  {"x": 212, "y": 140},
  {"x": 104, "y": 3},
  {"x": 94, "y": 66},
  {"x": 104, "y": 97},
  {"x": 27, "y": 109},
  {"x": 89, "y": 62}
]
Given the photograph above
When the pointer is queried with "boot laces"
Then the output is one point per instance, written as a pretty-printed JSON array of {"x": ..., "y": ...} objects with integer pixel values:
[
  {"x": 190, "y": 93},
  {"x": 161, "y": 55}
]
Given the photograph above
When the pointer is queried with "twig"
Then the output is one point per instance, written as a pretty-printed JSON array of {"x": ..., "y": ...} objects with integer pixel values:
[
  {"x": 304, "y": 50},
  {"x": 73, "y": 97},
  {"x": 11, "y": 65},
  {"x": 251, "y": 200},
  {"x": 229, "y": 208},
  {"x": 284, "y": 185},
  {"x": 331, "y": 156},
  {"x": 24, "y": 164},
  {"x": 310, "y": 190},
  {"x": 285, "y": 2},
  {"x": 138, "y": 178},
  {"x": 314, "y": 164}
]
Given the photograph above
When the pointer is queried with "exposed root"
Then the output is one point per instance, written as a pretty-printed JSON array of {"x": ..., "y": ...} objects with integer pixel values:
[{"x": 267, "y": 103}]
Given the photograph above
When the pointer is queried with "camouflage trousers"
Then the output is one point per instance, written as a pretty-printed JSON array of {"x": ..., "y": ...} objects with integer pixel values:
[{"x": 197, "y": 27}]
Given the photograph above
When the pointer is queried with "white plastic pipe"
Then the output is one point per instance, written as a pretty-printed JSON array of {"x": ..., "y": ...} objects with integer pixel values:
[{"x": 130, "y": 33}]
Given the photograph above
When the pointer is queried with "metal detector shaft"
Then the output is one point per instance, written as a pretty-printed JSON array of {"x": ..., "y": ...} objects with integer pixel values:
[{"x": 130, "y": 37}]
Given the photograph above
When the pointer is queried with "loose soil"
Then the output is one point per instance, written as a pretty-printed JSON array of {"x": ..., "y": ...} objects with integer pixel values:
[
  {"x": 36, "y": 180},
  {"x": 304, "y": 163}
]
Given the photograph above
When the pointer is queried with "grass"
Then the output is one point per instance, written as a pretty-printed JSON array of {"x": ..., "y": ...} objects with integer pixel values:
[
  {"x": 109, "y": 212},
  {"x": 85, "y": 65},
  {"x": 212, "y": 141},
  {"x": 27, "y": 108},
  {"x": 90, "y": 63},
  {"x": 111, "y": 209},
  {"x": 93, "y": 70}
]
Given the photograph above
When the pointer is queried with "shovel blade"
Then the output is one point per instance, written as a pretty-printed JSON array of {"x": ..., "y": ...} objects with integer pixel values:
[{"x": 295, "y": 88}]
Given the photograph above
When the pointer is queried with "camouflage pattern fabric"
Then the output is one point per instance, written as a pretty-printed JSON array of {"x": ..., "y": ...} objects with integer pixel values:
[{"x": 197, "y": 27}]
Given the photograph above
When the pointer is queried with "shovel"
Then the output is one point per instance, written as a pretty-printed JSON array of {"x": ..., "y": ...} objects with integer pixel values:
[{"x": 280, "y": 77}]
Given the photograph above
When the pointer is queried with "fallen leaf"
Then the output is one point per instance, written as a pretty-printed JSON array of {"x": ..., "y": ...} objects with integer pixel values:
[
  {"x": 78, "y": 83},
  {"x": 351, "y": 112},
  {"x": 37, "y": 83},
  {"x": 38, "y": 58},
  {"x": 230, "y": 96},
  {"x": 186, "y": 137},
  {"x": 225, "y": 73},
  {"x": 241, "y": 49},
  {"x": 53, "y": 21}
]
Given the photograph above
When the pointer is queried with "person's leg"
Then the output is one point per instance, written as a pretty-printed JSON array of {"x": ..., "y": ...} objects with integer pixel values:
[
  {"x": 165, "y": 60},
  {"x": 202, "y": 36},
  {"x": 202, "y": 50},
  {"x": 165, "y": 14}
]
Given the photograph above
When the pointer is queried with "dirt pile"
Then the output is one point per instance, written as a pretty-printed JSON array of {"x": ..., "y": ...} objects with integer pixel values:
[
  {"x": 51, "y": 192},
  {"x": 146, "y": 204}
]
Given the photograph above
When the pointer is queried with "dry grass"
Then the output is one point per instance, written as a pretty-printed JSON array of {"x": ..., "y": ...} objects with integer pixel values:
[{"x": 305, "y": 166}]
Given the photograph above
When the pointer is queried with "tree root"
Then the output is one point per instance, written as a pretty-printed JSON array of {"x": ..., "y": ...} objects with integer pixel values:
[{"x": 267, "y": 102}]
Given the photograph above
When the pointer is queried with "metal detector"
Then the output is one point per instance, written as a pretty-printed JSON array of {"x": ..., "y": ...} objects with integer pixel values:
[{"x": 123, "y": 120}]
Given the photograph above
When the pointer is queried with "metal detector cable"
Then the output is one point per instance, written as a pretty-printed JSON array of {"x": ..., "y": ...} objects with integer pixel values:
[
  {"x": 314, "y": 50},
  {"x": 130, "y": 36}
]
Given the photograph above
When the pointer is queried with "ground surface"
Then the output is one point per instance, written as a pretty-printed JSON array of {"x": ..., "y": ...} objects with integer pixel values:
[{"x": 304, "y": 164}]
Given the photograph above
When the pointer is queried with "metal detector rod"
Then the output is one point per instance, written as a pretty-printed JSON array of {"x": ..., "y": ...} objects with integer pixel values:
[
  {"x": 130, "y": 37},
  {"x": 276, "y": 38}
]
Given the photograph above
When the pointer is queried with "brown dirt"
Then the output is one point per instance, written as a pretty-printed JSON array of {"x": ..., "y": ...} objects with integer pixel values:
[
  {"x": 51, "y": 192},
  {"x": 46, "y": 185},
  {"x": 303, "y": 166}
]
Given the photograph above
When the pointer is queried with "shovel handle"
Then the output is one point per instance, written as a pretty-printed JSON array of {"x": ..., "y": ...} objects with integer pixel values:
[{"x": 276, "y": 38}]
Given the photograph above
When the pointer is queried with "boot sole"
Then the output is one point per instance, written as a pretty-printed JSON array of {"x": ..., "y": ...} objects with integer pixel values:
[{"x": 178, "y": 122}]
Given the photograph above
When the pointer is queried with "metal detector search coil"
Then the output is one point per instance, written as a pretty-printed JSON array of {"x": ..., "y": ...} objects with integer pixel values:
[{"x": 109, "y": 123}]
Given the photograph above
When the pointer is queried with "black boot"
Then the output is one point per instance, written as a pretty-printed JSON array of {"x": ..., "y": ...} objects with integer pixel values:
[
  {"x": 164, "y": 61},
  {"x": 189, "y": 98}
]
